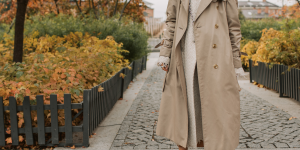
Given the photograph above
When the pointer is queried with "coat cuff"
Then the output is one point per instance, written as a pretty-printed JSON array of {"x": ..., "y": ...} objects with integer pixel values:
[{"x": 163, "y": 61}]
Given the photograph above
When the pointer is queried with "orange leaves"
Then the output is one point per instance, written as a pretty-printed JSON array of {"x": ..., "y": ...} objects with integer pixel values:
[
  {"x": 63, "y": 76},
  {"x": 46, "y": 70},
  {"x": 59, "y": 73},
  {"x": 78, "y": 76},
  {"x": 8, "y": 131},
  {"x": 122, "y": 75},
  {"x": 21, "y": 139},
  {"x": 8, "y": 140},
  {"x": 100, "y": 89}
]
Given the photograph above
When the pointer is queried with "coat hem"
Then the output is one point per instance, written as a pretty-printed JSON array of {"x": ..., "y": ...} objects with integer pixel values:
[{"x": 171, "y": 139}]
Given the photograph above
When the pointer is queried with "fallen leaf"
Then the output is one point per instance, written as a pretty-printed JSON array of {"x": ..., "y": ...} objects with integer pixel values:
[
  {"x": 291, "y": 118},
  {"x": 100, "y": 89},
  {"x": 120, "y": 98},
  {"x": 21, "y": 139},
  {"x": 73, "y": 147},
  {"x": 8, "y": 140}
]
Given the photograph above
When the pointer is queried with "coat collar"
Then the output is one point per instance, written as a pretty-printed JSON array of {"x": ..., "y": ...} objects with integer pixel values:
[{"x": 203, "y": 4}]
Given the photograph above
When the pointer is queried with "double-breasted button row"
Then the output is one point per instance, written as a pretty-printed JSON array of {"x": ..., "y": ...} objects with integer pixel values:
[{"x": 215, "y": 45}]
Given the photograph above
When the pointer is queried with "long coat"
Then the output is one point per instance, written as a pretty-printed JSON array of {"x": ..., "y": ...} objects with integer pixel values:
[{"x": 217, "y": 37}]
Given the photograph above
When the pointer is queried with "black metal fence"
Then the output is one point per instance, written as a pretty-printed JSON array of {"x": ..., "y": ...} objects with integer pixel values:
[
  {"x": 277, "y": 77},
  {"x": 28, "y": 130},
  {"x": 95, "y": 107}
]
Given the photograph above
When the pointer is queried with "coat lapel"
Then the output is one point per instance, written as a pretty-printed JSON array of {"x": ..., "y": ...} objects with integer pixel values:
[{"x": 203, "y": 5}]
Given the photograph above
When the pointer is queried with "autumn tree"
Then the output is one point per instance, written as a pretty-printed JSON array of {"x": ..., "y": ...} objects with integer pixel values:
[
  {"x": 124, "y": 6},
  {"x": 292, "y": 11}
]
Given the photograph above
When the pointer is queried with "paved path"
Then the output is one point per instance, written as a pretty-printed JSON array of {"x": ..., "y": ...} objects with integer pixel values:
[
  {"x": 263, "y": 125},
  {"x": 152, "y": 42}
]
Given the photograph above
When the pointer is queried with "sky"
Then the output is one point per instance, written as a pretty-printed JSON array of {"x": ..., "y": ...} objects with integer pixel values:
[{"x": 160, "y": 6}]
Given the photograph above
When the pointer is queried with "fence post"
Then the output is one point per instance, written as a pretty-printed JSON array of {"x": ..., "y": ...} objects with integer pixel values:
[
  {"x": 141, "y": 67},
  {"x": 280, "y": 82},
  {"x": 27, "y": 121},
  {"x": 54, "y": 119},
  {"x": 13, "y": 121},
  {"x": 86, "y": 116},
  {"x": 2, "y": 127},
  {"x": 250, "y": 70},
  {"x": 133, "y": 70},
  {"x": 298, "y": 87},
  {"x": 122, "y": 84},
  {"x": 146, "y": 62}
]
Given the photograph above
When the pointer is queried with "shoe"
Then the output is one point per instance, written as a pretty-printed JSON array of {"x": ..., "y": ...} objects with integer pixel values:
[{"x": 200, "y": 144}]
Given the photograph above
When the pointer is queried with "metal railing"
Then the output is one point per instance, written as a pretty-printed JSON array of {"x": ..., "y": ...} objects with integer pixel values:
[
  {"x": 95, "y": 107},
  {"x": 277, "y": 77}
]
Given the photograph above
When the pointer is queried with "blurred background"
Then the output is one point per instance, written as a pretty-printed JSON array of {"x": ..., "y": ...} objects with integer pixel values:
[{"x": 65, "y": 46}]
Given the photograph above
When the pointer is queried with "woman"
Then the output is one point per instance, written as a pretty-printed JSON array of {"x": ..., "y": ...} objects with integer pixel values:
[{"x": 200, "y": 103}]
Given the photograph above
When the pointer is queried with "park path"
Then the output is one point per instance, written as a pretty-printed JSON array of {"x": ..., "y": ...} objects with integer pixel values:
[{"x": 263, "y": 125}]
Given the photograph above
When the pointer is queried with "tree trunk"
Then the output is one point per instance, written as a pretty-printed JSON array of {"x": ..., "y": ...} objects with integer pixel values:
[
  {"x": 125, "y": 4},
  {"x": 78, "y": 6},
  {"x": 116, "y": 7},
  {"x": 108, "y": 7},
  {"x": 94, "y": 8},
  {"x": 57, "y": 9},
  {"x": 100, "y": 5},
  {"x": 19, "y": 30}
]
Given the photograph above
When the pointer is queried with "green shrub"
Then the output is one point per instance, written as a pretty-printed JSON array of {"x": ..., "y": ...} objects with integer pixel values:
[
  {"x": 131, "y": 34},
  {"x": 3, "y": 29},
  {"x": 251, "y": 29}
]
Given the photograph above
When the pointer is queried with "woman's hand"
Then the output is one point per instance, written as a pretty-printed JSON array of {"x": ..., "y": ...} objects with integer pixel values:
[{"x": 166, "y": 68}]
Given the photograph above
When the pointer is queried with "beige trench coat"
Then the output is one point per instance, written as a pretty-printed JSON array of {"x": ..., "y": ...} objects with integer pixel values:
[{"x": 217, "y": 37}]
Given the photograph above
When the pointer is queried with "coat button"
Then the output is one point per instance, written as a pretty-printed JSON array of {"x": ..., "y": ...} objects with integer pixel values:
[
  {"x": 194, "y": 41},
  {"x": 215, "y": 45},
  {"x": 216, "y": 26},
  {"x": 216, "y": 66},
  {"x": 217, "y": 7}
]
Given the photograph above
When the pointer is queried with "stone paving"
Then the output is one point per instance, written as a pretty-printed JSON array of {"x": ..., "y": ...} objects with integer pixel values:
[{"x": 262, "y": 124}]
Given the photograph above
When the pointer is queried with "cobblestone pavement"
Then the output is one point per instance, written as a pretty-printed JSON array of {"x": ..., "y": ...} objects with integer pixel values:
[{"x": 262, "y": 124}]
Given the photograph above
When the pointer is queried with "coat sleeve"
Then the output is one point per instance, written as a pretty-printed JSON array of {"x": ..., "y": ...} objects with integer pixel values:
[
  {"x": 234, "y": 31},
  {"x": 168, "y": 35}
]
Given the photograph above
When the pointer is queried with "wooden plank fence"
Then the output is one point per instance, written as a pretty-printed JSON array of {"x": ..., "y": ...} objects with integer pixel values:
[
  {"x": 94, "y": 108},
  {"x": 277, "y": 77}
]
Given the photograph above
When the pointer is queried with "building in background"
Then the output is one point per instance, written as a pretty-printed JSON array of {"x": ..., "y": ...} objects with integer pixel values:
[
  {"x": 152, "y": 25},
  {"x": 259, "y": 9},
  {"x": 149, "y": 11}
]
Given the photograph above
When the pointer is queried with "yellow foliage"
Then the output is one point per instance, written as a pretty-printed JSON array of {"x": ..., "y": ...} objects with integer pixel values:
[
  {"x": 58, "y": 65},
  {"x": 275, "y": 47}
]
